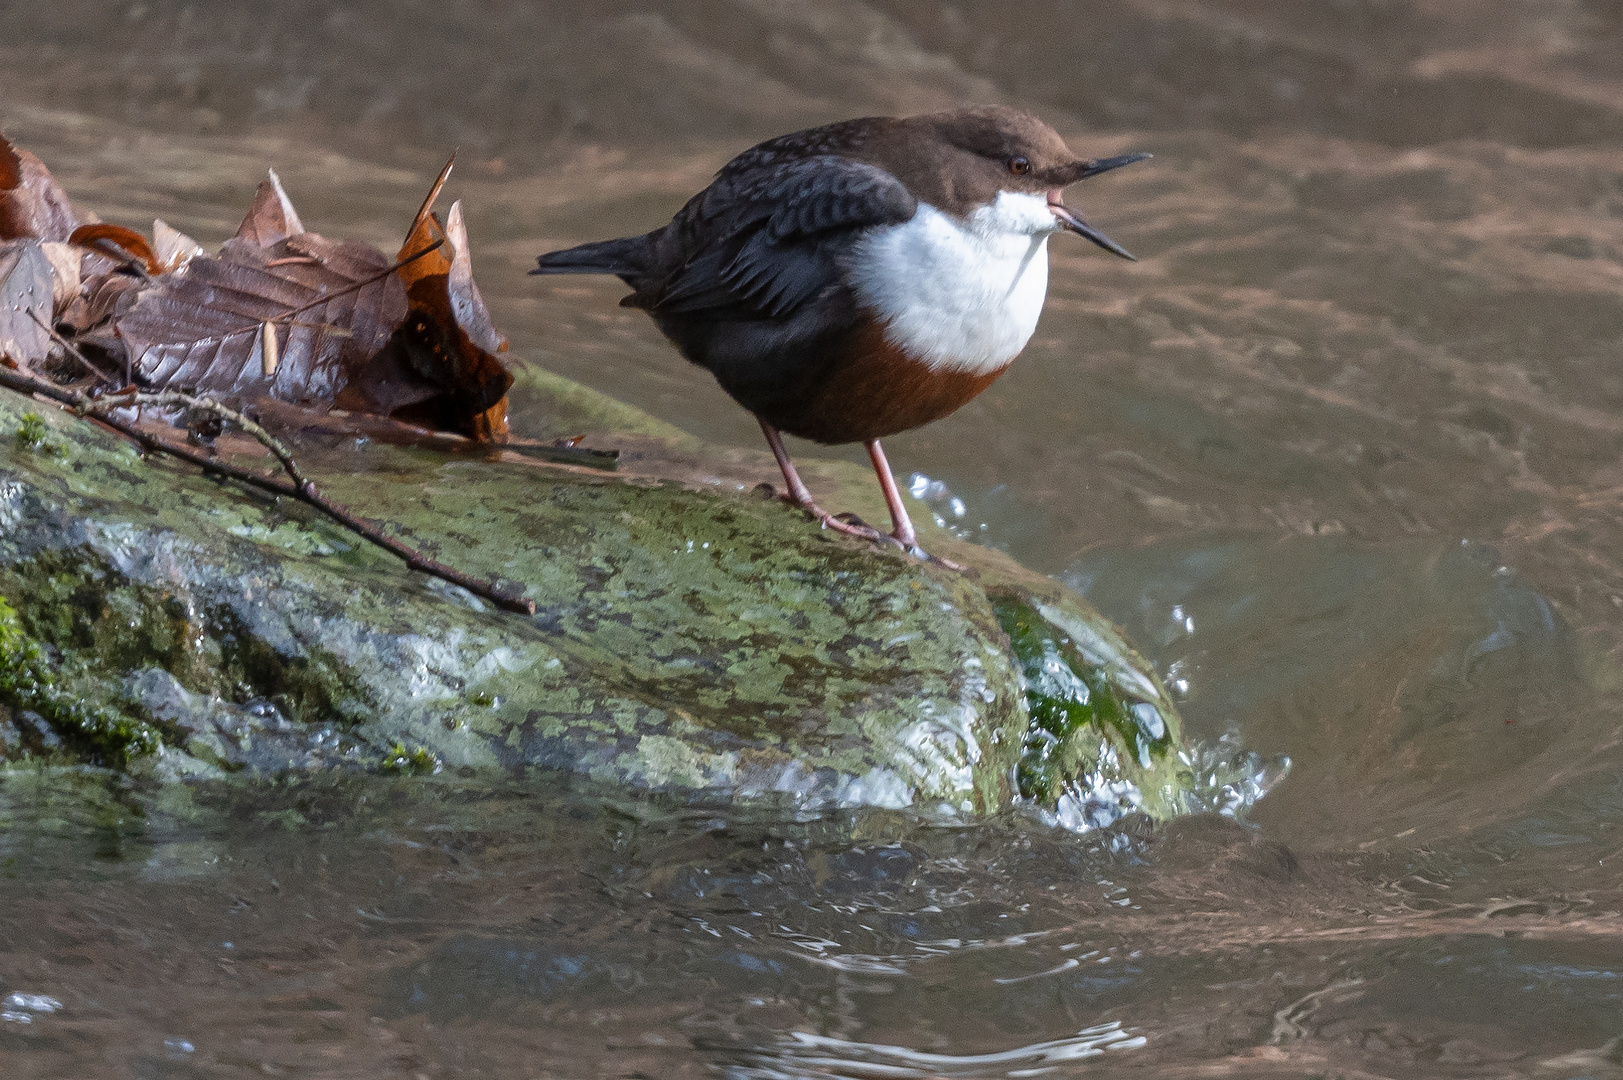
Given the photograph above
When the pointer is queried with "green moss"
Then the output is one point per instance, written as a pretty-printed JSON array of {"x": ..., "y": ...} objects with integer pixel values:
[
  {"x": 400, "y": 761},
  {"x": 34, "y": 434},
  {"x": 1073, "y": 705},
  {"x": 27, "y": 682},
  {"x": 31, "y": 432},
  {"x": 552, "y": 406},
  {"x": 687, "y": 635}
]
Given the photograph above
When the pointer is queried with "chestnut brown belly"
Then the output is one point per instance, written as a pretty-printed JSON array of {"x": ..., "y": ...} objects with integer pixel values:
[{"x": 876, "y": 390}]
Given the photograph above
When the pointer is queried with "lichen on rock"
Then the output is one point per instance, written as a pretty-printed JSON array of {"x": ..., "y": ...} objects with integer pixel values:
[{"x": 689, "y": 636}]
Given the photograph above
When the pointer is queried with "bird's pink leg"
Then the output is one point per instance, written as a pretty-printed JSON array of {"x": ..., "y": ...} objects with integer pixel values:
[
  {"x": 902, "y": 525},
  {"x": 801, "y": 496}
]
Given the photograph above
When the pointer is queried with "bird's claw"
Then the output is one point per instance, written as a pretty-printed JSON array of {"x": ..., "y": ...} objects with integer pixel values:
[
  {"x": 846, "y": 523},
  {"x": 849, "y": 524},
  {"x": 852, "y": 525}
]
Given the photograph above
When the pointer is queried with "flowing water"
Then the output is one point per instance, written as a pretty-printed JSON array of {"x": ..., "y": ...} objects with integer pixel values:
[{"x": 1341, "y": 452}]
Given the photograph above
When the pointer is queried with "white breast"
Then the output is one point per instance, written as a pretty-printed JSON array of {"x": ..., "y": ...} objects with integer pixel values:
[{"x": 959, "y": 295}]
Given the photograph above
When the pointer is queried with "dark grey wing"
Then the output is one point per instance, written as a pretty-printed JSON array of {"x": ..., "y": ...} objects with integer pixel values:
[{"x": 760, "y": 242}]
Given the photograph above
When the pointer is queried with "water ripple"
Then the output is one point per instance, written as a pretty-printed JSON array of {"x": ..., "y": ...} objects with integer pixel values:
[{"x": 803, "y": 1056}]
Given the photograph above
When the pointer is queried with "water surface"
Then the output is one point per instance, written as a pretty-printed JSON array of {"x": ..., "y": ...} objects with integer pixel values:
[{"x": 1340, "y": 452}]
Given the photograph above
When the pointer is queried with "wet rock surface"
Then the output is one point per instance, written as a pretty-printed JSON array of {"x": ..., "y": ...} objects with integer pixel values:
[{"x": 689, "y": 636}]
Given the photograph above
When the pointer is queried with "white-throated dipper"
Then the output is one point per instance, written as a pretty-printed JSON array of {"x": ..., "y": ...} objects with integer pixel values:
[{"x": 851, "y": 281}]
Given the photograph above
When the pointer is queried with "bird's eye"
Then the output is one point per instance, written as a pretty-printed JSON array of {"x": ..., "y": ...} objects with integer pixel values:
[{"x": 1019, "y": 166}]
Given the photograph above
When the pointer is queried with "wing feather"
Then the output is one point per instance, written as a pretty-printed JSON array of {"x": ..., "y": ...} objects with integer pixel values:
[{"x": 764, "y": 238}]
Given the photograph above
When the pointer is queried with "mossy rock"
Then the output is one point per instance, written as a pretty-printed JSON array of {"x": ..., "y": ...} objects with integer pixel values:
[{"x": 690, "y": 636}]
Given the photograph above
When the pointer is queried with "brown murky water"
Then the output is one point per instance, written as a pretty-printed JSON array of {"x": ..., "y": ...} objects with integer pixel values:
[{"x": 1341, "y": 452}]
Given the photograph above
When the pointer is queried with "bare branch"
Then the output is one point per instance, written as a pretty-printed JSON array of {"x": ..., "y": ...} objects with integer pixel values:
[
  {"x": 301, "y": 487},
  {"x": 71, "y": 349},
  {"x": 102, "y": 406}
]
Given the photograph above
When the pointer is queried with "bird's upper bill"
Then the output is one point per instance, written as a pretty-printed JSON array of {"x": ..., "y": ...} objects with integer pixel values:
[{"x": 1069, "y": 219}]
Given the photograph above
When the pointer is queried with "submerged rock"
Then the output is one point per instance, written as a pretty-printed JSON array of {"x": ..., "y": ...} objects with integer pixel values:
[{"x": 689, "y": 635}]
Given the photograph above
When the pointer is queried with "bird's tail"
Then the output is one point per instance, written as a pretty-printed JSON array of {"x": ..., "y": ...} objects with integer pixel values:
[{"x": 623, "y": 256}]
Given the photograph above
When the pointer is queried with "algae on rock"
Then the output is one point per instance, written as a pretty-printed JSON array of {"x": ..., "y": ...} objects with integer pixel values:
[
  {"x": 688, "y": 635},
  {"x": 44, "y": 706}
]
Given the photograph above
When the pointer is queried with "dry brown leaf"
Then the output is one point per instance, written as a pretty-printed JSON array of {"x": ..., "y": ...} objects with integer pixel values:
[
  {"x": 66, "y": 265},
  {"x": 200, "y": 328},
  {"x": 272, "y": 218},
  {"x": 466, "y": 300},
  {"x": 32, "y": 206},
  {"x": 11, "y": 166},
  {"x": 447, "y": 339},
  {"x": 25, "y": 302},
  {"x": 173, "y": 248},
  {"x": 101, "y": 298},
  {"x": 287, "y": 315}
]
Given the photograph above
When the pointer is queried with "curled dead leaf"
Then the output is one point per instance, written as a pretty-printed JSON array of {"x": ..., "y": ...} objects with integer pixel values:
[
  {"x": 11, "y": 166},
  {"x": 173, "y": 248},
  {"x": 271, "y": 219},
  {"x": 447, "y": 337},
  {"x": 121, "y": 245},
  {"x": 66, "y": 261},
  {"x": 466, "y": 300},
  {"x": 101, "y": 298},
  {"x": 32, "y": 205},
  {"x": 25, "y": 302}
]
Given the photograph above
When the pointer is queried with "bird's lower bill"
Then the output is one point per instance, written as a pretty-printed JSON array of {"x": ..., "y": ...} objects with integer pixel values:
[{"x": 1070, "y": 221}]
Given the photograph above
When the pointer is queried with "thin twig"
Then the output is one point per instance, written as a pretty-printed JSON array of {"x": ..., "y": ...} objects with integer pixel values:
[
  {"x": 355, "y": 286},
  {"x": 163, "y": 398},
  {"x": 69, "y": 346},
  {"x": 302, "y": 488}
]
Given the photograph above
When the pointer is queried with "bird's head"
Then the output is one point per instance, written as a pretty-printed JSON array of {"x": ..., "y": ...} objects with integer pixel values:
[{"x": 1004, "y": 149}]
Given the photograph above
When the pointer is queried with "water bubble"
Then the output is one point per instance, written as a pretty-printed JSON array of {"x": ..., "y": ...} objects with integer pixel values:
[
  {"x": 1149, "y": 721},
  {"x": 948, "y": 510},
  {"x": 1229, "y": 780}
]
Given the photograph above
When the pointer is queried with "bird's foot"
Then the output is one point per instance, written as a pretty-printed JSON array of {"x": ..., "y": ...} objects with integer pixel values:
[
  {"x": 851, "y": 525},
  {"x": 907, "y": 544},
  {"x": 946, "y": 564}
]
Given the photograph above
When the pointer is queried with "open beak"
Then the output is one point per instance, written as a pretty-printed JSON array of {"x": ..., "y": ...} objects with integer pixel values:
[{"x": 1069, "y": 219}]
